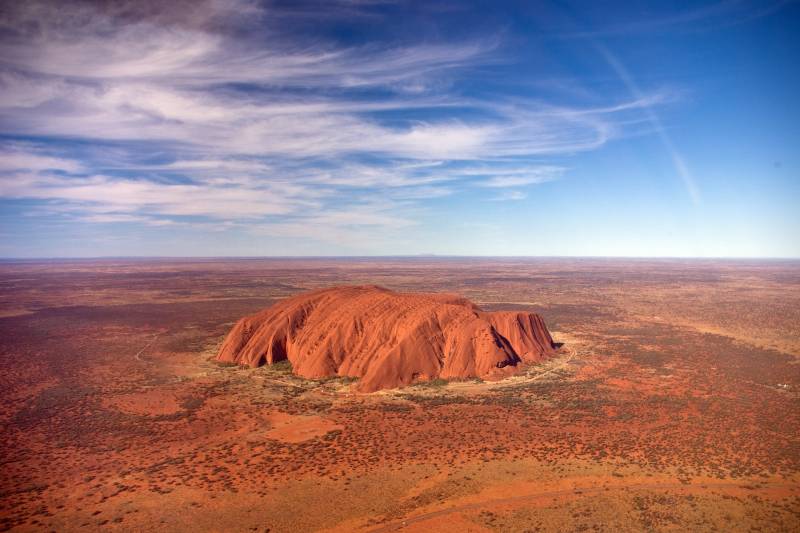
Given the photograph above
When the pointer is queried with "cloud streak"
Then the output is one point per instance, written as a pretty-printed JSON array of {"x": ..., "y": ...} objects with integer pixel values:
[
  {"x": 678, "y": 162},
  {"x": 226, "y": 117}
]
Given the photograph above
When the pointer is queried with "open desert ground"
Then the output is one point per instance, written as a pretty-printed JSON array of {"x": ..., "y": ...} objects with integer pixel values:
[{"x": 672, "y": 404}]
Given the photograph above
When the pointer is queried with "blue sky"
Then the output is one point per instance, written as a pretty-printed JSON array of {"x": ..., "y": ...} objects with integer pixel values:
[{"x": 240, "y": 127}]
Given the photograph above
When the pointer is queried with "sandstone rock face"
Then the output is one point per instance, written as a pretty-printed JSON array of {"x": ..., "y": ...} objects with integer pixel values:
[{"x": 387, "y": 339}]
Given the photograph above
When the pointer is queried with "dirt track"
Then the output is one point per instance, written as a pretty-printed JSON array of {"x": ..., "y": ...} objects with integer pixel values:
[{"x": 138, "y": 355}]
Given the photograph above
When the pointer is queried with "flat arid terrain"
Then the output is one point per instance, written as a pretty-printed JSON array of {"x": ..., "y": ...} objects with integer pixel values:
[{"x": 672, "y": 403}]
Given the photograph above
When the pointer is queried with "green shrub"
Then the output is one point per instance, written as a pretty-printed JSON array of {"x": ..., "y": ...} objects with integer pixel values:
[
  {"x": 435, "y": 383},
  {"x": 282, "y": 366}
]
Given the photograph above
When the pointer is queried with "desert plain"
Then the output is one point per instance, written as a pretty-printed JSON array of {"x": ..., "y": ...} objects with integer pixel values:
[{"x": 672, "y": 403}]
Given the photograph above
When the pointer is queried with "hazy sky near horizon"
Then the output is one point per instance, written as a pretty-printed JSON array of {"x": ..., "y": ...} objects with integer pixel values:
[{"x": 359, "y": 127}]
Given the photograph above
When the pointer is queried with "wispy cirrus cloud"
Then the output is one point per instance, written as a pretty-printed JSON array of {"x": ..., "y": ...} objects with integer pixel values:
[
  {"x": 653, "y": 18},
  {"x": 506, "y": 196},
  {"x": 222, "y": 113},
  {"x": 678, "y": 161},
  {"x": 109, "y": 194},
  {"x": 21, "y": 157},
  {"x": 515, "y": 176}
]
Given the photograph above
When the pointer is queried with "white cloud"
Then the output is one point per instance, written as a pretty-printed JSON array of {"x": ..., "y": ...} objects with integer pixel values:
[
  {"x": 518, "y": 177},
  {"x": 510, "y": 195},
  {"x": 133, "y": 196},
  {"x": 21, "y": 159},
  {"x": 207, "y": 118}
]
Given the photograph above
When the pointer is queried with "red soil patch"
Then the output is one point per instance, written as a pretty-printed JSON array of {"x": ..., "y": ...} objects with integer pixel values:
[
  {"x": 151, "y": 403},
  {"x": 387, "y": 339},
  {"x": 290, "y": 428}
]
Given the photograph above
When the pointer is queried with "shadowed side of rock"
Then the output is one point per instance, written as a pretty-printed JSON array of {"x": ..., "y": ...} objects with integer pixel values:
[{"x": 387, "y": 339}]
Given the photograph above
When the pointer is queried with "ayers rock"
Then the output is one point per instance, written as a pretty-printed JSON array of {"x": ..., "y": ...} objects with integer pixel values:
[{"x": 387, "y": 339}]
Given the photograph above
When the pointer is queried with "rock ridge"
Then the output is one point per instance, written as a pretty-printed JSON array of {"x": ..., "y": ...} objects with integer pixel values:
[{"x": 387, "y": 339}]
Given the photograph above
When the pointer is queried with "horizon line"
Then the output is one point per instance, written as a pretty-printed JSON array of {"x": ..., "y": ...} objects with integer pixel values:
[{"x": 390, "y": 256}]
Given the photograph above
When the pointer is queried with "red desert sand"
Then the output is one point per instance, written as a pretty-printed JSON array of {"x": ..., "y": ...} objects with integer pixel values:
[{"x": 387, "y": 339}]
